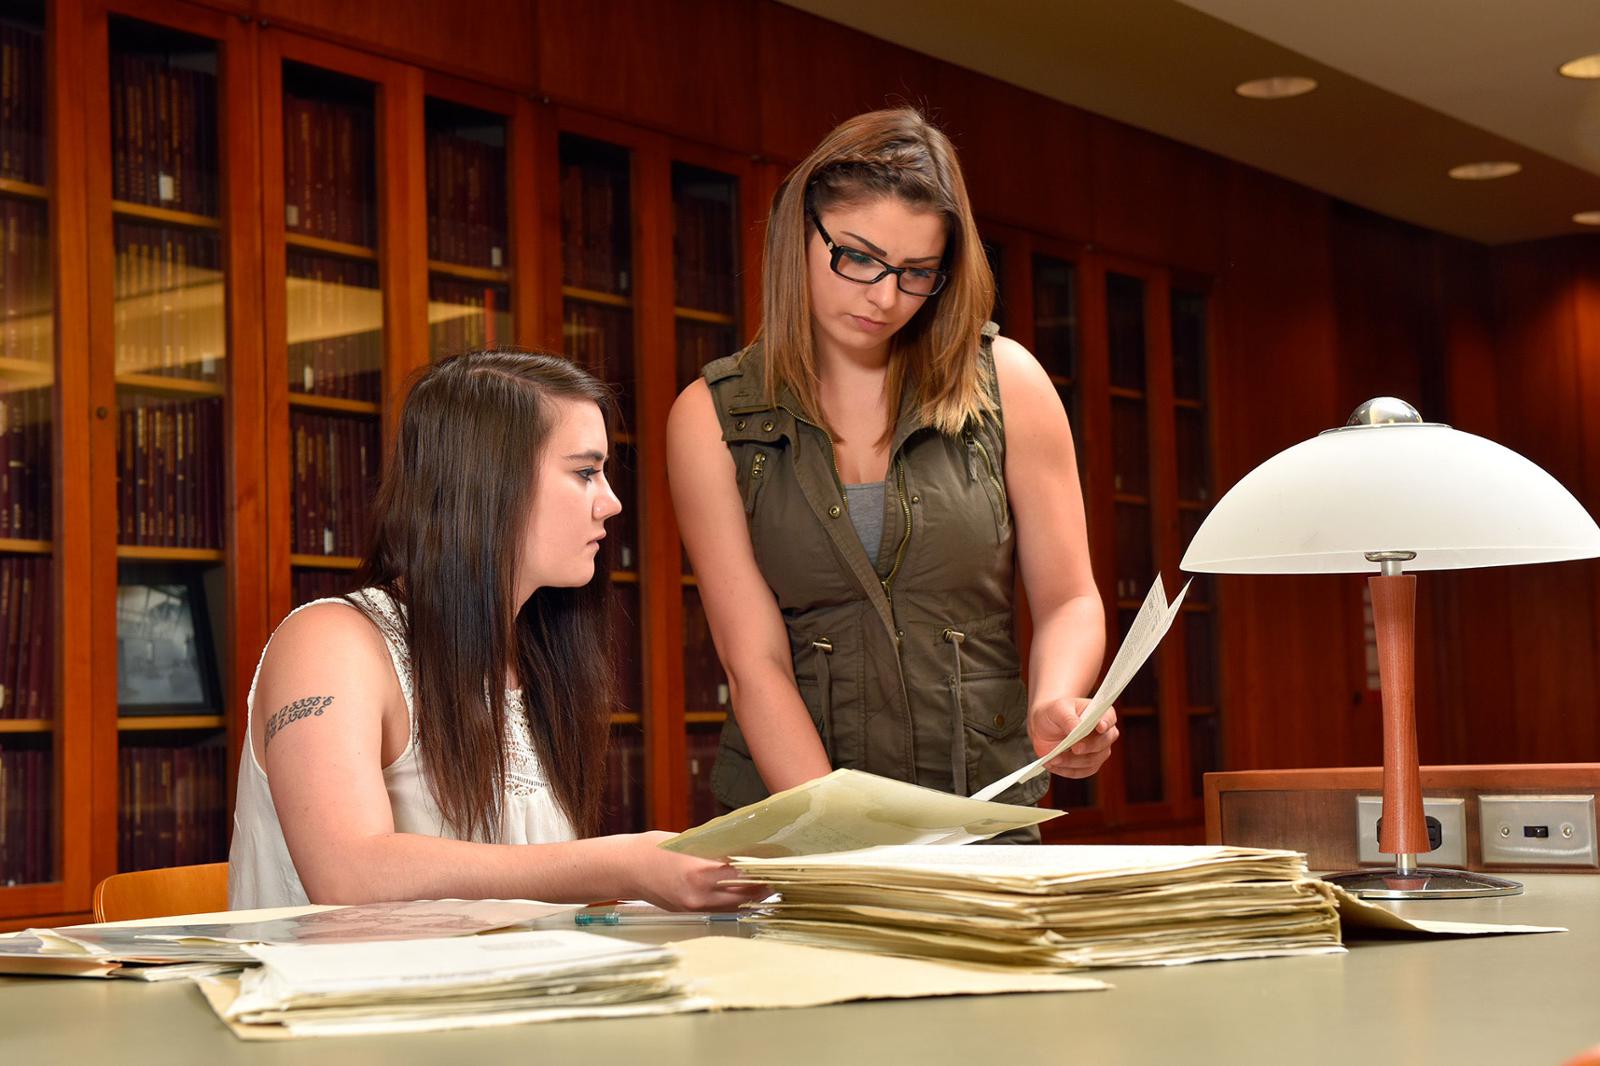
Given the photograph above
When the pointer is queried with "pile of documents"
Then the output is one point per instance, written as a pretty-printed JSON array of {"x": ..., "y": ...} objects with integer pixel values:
[
  {"x": 161, "y": 949},
  {"x": 1060, "y": 907},
  {"x": 459, "y": 982}
]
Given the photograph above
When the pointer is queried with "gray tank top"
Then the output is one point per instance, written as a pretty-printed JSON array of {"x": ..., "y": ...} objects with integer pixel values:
[{"x": 866, "y": 514}]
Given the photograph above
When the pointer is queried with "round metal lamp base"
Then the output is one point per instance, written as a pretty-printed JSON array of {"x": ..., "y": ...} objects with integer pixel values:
[{"x": 1422, "y": 882}]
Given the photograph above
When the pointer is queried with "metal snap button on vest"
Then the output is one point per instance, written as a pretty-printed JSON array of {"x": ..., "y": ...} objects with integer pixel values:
[
  {"x": 767, "y": 425},
  {"x": 739, "y": 424},
  {"x": 916, "y": 499},
  {"x": 999, "y": 720},
  {"x": 833, "y": 512}
]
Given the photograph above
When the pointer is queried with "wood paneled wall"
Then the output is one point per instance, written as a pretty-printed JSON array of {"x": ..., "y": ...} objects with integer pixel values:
[{"x": 1319, "y": 306}]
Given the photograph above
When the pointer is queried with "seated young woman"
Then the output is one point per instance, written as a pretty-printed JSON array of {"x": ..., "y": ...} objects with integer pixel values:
[{"x": 440, "y": 733}]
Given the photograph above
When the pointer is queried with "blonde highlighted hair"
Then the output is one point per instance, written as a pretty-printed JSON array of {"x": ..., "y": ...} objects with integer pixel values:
[{"x": 896, "y": 153}]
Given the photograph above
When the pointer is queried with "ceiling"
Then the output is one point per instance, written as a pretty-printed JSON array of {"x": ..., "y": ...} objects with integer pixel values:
[{"x": 1406, "y": 90}]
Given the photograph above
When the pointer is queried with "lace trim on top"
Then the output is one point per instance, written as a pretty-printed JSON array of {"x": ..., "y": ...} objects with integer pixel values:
[{"x": 525, "y": 774}]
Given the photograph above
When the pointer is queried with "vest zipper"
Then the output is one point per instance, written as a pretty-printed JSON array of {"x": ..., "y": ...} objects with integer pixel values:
[
  {"x": 973, "y": 443},
  {"x": 905, "y": 537},
  {"x": 833, "y": 458}
]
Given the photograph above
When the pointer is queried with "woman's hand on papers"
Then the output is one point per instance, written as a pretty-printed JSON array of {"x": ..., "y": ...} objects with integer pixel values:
[
  {"x": 1049, "y": 723},
  {"x": 679, "y": 882}
]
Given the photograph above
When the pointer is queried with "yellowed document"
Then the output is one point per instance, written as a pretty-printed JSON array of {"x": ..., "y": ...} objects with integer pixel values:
[
  {"x": 849, "y": 809},
  {"x": 1154, "y": 619}
]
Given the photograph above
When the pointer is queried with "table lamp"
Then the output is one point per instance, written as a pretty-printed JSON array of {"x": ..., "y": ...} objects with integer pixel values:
[{"x": 1385, "y": 494}]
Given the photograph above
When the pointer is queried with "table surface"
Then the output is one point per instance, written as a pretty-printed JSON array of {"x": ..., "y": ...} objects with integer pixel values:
[{"x": 1504, "y": 999}]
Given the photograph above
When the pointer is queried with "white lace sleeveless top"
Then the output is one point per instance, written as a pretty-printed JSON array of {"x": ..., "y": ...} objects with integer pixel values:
[{"x": 260, "y": 870}]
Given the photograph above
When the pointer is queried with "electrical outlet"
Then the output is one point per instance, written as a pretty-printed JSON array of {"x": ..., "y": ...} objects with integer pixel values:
[
  {"x": 1452, "y": 815},
  {"x": 1538, "y": 830}
]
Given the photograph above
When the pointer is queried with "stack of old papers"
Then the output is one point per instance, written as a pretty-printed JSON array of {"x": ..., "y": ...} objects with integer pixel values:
[
  {"x": 1060, "y": 907},
  {"x": 167, "y": 948},
  {"x": 514, "y": 978},
  {"x": 461, "y": 982}
]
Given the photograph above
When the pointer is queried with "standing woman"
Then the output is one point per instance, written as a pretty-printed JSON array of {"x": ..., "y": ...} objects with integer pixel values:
[
  {"x": 856, "y": 488},
  {"x": 440, "y": 733}
]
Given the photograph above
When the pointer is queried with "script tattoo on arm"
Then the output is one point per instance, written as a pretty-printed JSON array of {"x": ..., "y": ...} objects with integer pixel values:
[{"x": 302, "y": 708}]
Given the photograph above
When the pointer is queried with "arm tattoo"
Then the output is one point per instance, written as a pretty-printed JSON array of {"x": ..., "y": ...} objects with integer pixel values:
[{"x": 310, "y": 705}]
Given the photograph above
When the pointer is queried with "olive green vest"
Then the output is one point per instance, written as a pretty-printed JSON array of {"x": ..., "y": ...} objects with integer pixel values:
[{"x": 908, "y": 662}]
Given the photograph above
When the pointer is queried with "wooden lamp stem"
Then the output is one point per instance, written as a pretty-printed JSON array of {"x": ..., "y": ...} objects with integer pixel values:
[{"x": 1394, "y": 609}]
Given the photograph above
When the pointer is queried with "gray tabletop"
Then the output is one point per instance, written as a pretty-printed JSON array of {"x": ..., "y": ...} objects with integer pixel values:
[{"x": 1512, "y": 999}]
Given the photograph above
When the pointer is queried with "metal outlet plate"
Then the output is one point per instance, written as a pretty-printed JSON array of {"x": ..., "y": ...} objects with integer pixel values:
[
  {"x": 1538, "y": 830},
  {"x": 1452, "y": 815}
]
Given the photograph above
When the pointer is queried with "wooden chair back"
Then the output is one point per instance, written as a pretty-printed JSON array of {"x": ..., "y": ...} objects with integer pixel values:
[{"x": 158, "y": 893}]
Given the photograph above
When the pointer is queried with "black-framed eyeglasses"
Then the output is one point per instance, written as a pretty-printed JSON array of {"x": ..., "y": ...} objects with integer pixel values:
[{"x": 853, "y": 264}]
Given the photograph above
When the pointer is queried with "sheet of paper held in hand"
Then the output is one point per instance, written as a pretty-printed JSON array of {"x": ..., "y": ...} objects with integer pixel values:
[
  {"x": 1154, "y": 619},
  {"x": 850, "y": 809}
]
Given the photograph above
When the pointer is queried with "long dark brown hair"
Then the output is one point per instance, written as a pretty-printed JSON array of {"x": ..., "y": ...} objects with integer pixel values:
[
  {"x": 446, "y": 536},
  {"x": 896, "y": 153}
]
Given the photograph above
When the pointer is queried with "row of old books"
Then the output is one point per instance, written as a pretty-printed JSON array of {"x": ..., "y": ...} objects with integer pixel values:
[
  {"x": 25, "y": 490},
  {"x": 703, "y": 251},
  {"x": 173, "y": 804},
  {"x": 168, "y": 310},
  {"x": 463, "y": 314},
  {"x": 311, "y": 583},
  {"x": 335, "y": 312},
  {"x": 336, "y": 460},
  {"x": 702, "y": 744},
  {"x": 698, "y": 344},
  {"x": 595, "y": 252},
  {"x": 705, "y": 687},
  {"x": 623, "y": 809},
  {"x": 163, "y": 134},
  {"x": 21, "y": 103},
  {"x": 27, "y": 815},
  {"x": 169, "y": 472},
  {"x": 466, "y": 200},
  {"x": 599, "y": 338},
  {"x": 27, "y": 642},
  {"x": 328, "y": 177},
  {"x": 25, "y": 305}
]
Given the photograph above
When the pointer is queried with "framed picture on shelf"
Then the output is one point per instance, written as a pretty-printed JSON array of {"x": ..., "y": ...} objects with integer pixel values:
[{"x": 164, "y": 656}]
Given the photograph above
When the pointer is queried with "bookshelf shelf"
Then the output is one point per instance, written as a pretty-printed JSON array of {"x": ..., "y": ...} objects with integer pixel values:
[
  {"x": 25, "y": 547},
  {"x": 326, "y": 562},
  {"x": 1122, "y": 393},
  {"x": 625, "y": 718},
  {"x": 469, "y": 273},
  {"x": 625, "y": 577},
  {"x": 705, "y": 717},
  {"x": 27, "y": 725},
  {"x": 1061, "y": 380},
  {"x": 322, "y": 244},
  {"x": 1132, "y": 499},
  {"x": 145, "y": 723},
  {"x": 12, "y": 187},
  {"x": 150, "y": 213},
  {"x": 689, "y": 580},
  {"x": 170, "y": 386},
  {"x": 27, "y": 371},
  {"x": 151, "y": 554},
  {"x": 312, "y": 402},
  {"x": 594, "y": 296},
  {"x": 1185, "y": 404},
  {"x": 715, "y": 318}
]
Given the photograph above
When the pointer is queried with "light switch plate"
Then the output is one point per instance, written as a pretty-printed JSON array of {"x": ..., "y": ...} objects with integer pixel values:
[
  {"x": 1452, "y": 815},
  {"x": 1538, "y": 830}
]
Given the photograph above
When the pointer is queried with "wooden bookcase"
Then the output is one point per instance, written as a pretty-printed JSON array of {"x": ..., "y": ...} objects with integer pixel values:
[
  {"x": 1127, "y": 346},
  {"x": 241, "y": 240}
]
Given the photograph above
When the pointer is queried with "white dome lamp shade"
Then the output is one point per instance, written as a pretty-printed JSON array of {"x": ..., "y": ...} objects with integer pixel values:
[{"x": 1386, "y": 494}]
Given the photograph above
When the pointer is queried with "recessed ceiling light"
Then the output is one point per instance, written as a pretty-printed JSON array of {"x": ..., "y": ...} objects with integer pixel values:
[
  {"x": 1587, "y": 218},
  {"x": 1484, "y": 171},
  {"x": 1277, "y": 88},
  {"x": 1582, "y": 67}
]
